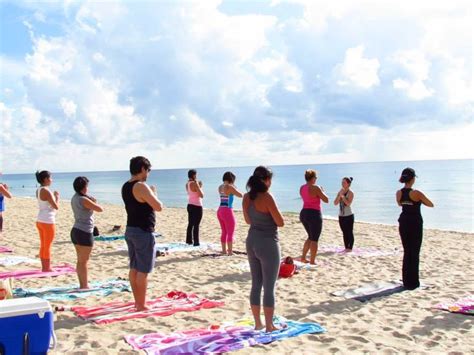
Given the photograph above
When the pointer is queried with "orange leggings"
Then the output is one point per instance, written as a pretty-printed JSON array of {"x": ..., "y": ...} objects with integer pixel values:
[{"x": 46, "y": 232}]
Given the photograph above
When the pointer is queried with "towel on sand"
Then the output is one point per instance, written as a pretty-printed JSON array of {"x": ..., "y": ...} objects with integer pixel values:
[
  {"x": 71, "y": 292},
  {"x": 167, "y": 305},
  {"x": 218, "y": 339},
  {"x": 464, "y": 305},
  {"x": 60, "y": 269}
]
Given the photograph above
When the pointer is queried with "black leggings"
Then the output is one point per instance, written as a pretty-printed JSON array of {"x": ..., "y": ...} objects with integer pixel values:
[
  {"x": 411, "y": 233},
  {"x": 1, "y": 221},
  {"x": 347, "y": 226},
  {"x": 194, "y": 218}
]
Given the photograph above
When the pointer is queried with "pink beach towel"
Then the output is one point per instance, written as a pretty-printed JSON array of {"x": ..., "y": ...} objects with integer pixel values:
[
  {"x": 117, "y": 311},
  {"x": 463, "y": 306},
  {"x": 61, "y": 269},
  {"x": 5, "y": 249}
]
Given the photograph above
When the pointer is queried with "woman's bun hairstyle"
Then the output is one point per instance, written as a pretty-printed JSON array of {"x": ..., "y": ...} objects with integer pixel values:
[
  {"x": 42, "y": 175},
  {"x": 256, "y": 182}
]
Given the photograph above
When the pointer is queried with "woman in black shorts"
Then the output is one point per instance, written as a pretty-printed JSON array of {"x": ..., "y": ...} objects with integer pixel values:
[{"x": 83, "y": 207}]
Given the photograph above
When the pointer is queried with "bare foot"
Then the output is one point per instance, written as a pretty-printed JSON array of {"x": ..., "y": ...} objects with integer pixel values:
[
  {"x": 230, "y": 253},
  {"x": 142, "y": 308},
  {"x": 47, "y": 270},
  {"x": 259, "y": 327},
  {"x": 274, "y": 328},
  {"x": 347, "y": 250},
  {"x": 312, "y": 262},
  {"x": 304, "y": 260}
]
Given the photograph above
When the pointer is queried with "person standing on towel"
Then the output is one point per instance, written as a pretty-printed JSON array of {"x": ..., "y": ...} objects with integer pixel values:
[
  {"x": 48, "y": 203},
  {"x": 141, "y": 202},
  {"x": 344, "y": 199},
  {"x": 411, "y": 227},
  {"x": 225, "y": 212},
  {"x": 83, "y": 207},
  {"x": 263, "y": 248},
  {"x": 4, "y": 192},
  {"x": 195, "y": 195},
  {"x": 311, "y": 215}
]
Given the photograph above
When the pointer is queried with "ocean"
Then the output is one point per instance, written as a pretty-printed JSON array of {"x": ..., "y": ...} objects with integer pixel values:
[{"x": 448, "y": 183}]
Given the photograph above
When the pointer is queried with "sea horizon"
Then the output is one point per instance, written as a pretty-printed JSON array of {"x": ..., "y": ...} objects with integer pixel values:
[{"x": 375, "y": 184}]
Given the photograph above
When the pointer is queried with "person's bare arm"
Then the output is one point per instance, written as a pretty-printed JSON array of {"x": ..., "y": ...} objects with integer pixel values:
[
  {"x": 321, "y": 194},
  {"x": 144, "y": 193},
  {"x": 196, "y": 187},
  {"x": 52, "y": 198},
  {"x": 274, "y": 211},
  {"x": 4, "y": 191},
  {"x": 348, "y": 201},
  {"x": 420, "y": 196},
  {"x": 91, "y": 205},
  {"x": 338, "y": 198},
  {"x": 245, "y": 207},
  {"x": 398, "y": 196},
  {"x": 230, "y": 189}
]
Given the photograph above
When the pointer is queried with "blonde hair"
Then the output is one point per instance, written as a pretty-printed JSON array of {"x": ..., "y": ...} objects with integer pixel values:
[{"x": 309, "y": 174}]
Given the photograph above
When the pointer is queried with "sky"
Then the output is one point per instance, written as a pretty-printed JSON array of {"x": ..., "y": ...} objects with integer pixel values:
[{"x": 86, "y": 85}]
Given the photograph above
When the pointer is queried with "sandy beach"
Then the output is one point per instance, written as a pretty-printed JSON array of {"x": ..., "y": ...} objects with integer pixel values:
[{"x": 402, "y": 322}]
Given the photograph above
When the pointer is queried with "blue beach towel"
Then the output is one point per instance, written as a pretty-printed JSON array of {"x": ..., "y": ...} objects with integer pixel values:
[{"x": 71, "y": 292}]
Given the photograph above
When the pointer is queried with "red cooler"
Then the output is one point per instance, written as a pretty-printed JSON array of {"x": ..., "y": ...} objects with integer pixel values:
[{"x": 26, "y": 326}]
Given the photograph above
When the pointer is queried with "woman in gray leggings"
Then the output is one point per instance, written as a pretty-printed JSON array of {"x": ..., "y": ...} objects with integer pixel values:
[{"x": 263, "y": 249}]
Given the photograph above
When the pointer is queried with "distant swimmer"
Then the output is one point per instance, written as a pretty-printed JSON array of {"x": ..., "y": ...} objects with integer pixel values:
[
  {"x": 225, "y": 212},
  {"x": 344, "y": 199},
  {"x": 411, "y": 227},
  {"x": 311, "y": 215}
]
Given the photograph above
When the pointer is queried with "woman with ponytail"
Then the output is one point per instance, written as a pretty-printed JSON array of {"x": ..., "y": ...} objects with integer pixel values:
[
  {"x": 344, "y": 199},
  {"x": 311, "y": 215},
  {"x": 48, "y": 203},
  {"x": 83, "y": 207},
  {"x": 263, "y": 249},
  {"x": 411, "y": 227}
]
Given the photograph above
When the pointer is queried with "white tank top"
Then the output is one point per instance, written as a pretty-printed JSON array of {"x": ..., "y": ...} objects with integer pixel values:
[{"x": 46, "y": 213}]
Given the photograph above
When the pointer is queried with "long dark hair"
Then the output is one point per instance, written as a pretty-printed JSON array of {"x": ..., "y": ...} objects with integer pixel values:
[
  {"x": 256, "y": 182},
  {"x": 79, "y": 184},
  {"x": 42, "y": 175}
]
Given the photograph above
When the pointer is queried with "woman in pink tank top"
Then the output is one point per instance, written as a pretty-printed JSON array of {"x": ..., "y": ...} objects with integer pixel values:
[
  {"x": 195, "y": 195},
  {"x": 311, "y": 215}
]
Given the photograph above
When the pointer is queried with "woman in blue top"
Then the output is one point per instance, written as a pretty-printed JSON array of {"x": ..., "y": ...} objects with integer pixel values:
[
  {"x": 4, "y": 192},
  {"x": 225, "y": 213},
  {"x": 411, "y": 227}
]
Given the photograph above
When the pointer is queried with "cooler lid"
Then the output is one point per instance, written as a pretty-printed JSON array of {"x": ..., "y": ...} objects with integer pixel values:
[{"x": 24, "y": 306}]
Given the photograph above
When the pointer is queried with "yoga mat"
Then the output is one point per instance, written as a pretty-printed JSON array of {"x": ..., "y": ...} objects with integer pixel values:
[
  {"x": 364, "y": 252},
  {"x": 71, "y": 292},
  {"x": 244, "y": 266},
  {"x": 218, "y": 255},
  {"x": 463, "y": 305},
  {"x": 167, "y": 305},
  {"x": 16, "y": 259},
  {"x": 5, "y": 250},
  {"x": 218, "y": 339},
  {"x": 110, "y": 238},
  {"x": 174, "y": 247},
  {"x": 61, "y": 269}
]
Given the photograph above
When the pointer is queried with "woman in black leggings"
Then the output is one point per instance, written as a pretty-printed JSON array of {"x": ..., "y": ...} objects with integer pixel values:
[
  {"x": 195, "y": 195},
  {"x": 411, "y": 227},
  {"x": 344, "y": 199}
]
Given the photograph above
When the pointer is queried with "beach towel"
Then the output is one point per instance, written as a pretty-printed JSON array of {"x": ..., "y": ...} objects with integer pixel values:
[
  {"x": 5, "y": 249},
  {"x": 364, "y": 252},
  {"x": 464, "y": 306},
  {"x": 218, "y": 339},
  {"x": 167, "y": 305},
  {"x": 110, "y": 238},
  {"x": 174, "y": 247},
  {"x": 16, "y": 259},
  {"x": 71, "y": 292},
  {"x": 61, "y": 269},
  {"x": 371, "y": 290},
  {"x": 218, "y": 255}
]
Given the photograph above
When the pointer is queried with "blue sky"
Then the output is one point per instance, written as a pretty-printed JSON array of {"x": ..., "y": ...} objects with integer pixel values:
[{"x": 86, "y": 85}]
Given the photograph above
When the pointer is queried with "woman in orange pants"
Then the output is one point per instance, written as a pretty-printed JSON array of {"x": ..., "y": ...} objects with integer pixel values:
[{"x": 48, "y": 203}]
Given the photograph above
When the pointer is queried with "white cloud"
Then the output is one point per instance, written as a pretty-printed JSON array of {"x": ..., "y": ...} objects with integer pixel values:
[
  {"x": 69, "y": 107},
  {"x": 357, "y": 70}
]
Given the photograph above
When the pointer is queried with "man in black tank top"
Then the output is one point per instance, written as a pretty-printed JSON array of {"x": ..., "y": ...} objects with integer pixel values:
[{"x": 140, "y": 203}]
